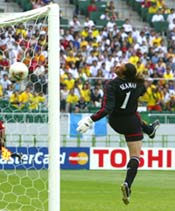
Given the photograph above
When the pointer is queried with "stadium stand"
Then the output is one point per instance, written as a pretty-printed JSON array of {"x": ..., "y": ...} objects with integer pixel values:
[{"x": 89, "y": 53}]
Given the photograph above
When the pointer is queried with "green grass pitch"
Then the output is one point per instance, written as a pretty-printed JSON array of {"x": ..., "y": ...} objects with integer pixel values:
[
  {"x": 83, "y": 190},
  {"x": 100, "y": 191}
]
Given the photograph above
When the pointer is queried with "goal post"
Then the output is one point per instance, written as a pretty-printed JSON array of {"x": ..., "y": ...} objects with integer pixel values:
[
  {"x": 53, "y": 105},
  {"x": 52, "y": 12}
]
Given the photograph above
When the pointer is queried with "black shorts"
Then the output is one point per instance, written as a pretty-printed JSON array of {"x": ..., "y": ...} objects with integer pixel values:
[{"x": 128, "y": 125}]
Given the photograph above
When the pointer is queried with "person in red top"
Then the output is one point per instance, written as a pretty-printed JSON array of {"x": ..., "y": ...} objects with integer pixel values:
[
  {"x": 5, "y": 153},
  {"x": 2, "y": 134},
  {"x": 146, "y": 3},
  {"x": 92, "y": 7}
]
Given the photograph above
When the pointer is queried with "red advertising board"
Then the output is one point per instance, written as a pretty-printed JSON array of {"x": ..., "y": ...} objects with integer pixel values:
[{"x": 117, "y": 158}]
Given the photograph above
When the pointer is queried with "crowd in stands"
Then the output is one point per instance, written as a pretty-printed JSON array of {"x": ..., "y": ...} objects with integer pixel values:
[
  {"x": 159, "y": 12},
  {"x": 88, "y": 56},
  {"x": 26, "y": 42}
]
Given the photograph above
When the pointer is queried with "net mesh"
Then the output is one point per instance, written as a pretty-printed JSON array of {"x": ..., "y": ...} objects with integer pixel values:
[{"x": 23, "y": 106}]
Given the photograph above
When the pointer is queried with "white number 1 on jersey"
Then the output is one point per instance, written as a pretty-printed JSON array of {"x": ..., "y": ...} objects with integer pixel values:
[{"x": 123, "y": 106}]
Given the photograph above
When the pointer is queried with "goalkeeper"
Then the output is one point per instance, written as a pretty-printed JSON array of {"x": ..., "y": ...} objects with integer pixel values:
[
  {"x": 120, "y": 102},
  {"x": 5, "y": 153}
]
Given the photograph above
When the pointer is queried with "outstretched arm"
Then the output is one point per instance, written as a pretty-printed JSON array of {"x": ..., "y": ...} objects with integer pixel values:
[
  {"x": 107, "y": 106},
  {"x": 108, "y": 102}
]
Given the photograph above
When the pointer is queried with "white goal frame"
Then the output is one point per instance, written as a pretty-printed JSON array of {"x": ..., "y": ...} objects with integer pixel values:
[{"x": 52, "y": 11}]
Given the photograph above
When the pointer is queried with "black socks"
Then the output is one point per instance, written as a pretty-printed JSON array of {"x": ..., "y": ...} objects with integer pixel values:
[{"x": 132, "y": 167}]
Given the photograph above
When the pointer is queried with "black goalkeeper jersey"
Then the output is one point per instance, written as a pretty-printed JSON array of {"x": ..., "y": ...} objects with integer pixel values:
[{"x": 121, "y": 97}]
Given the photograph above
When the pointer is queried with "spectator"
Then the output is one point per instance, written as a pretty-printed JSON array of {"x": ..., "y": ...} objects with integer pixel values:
[
  {"x": 146, "y": 3},
  {"x": 81, "y": 106},
  {"x": 170, "y": 104},
  {"x": 63, "y": 95},
  {"x": 76, "y": 41},
  {"x": 168, "y": 74},
  {"x": 69, "y": 82},
  {"x": 170, "y": 54},
  {"x": 71, "y": 100},
  {"x": 81, "y": 74},
  {"x": 114, "y": 15},
  {"x": 94, "y": 68},
  {"x": 73, "y": 71},
  {"x": 25, "y": 98},
  {"x": 160, "y": 3},
  {"x": 95, "y": 31},
  {"x": 171, "y": 16},
  {"x": 9, "y": 91},
  {"x": 88, "y": 23},
  {"x": 153, "y": 8},
  {"x": 69, "y": 34},
  {"x": 1, "y": 91},
  {"x": 71, "y": 58},
  {"x": 141, "y": 67},
  {"x": 15, "y": 99},
  {"x": 92, "y": 7},
  {"x": 84, "y": 34},
  {"x": 171, "y": 87},
  {"x": 86, "y": 69},
  {"x": 165, "y": 10},
  {"x": 134, "y": 58},
  {"x": 105, "y": 15},
  {"x": 158, "y": 16},
  {"x": 127, "y": 26},
  {"x": 85, "y": 91},
  {"x": 156, "y": 40},
  {"x": 110, "y": 24},
  {"x": 96, "y": 97},
  {"x": 75, "y": 23},
  {"x": 5, "y": 82},
  {"x": 77, "y": 87},
  {"x": 92, "y": 57},
  {"x": 160, "y": 68},
  {"x": 153, "y": 98},
  {"x": 109, "y": 62},
  {"x": 110, "y": 6},
  {"x": 172, "y": 25},
  {"x": 37, "y": 4},
  {"x": 36, "y": 101},
  {"x": 150, "y": 68},
  {"x": 99, "y": 74},
  {"x": 155, "y": 57},
  {"x": 111, "y": 74}
]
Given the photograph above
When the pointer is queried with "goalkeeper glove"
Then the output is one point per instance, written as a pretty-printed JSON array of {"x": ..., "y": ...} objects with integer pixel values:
[{"x": 84, "y": 124}]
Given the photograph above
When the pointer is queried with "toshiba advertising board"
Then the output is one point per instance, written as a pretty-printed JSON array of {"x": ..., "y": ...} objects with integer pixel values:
[{"x": 117, "y": 158}]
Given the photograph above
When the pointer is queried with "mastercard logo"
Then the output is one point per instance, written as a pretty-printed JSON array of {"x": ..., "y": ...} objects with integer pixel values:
[{"x": 80, "y": 158}]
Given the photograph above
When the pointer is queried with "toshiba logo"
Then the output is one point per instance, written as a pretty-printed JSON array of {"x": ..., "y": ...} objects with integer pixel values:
[{"x": 150, "y": 158}]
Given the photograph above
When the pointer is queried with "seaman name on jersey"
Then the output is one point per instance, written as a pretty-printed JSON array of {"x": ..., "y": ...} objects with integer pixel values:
[{"x": 128, "y": 86}]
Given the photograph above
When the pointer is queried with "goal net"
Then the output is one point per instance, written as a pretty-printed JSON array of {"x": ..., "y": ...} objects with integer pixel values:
[{"x": 29, "y": 162}]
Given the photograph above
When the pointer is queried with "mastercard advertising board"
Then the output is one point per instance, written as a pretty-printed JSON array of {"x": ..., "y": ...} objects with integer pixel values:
[
  {"x": 38, "y": 158},
  {"x": 74, "y": 158}
]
